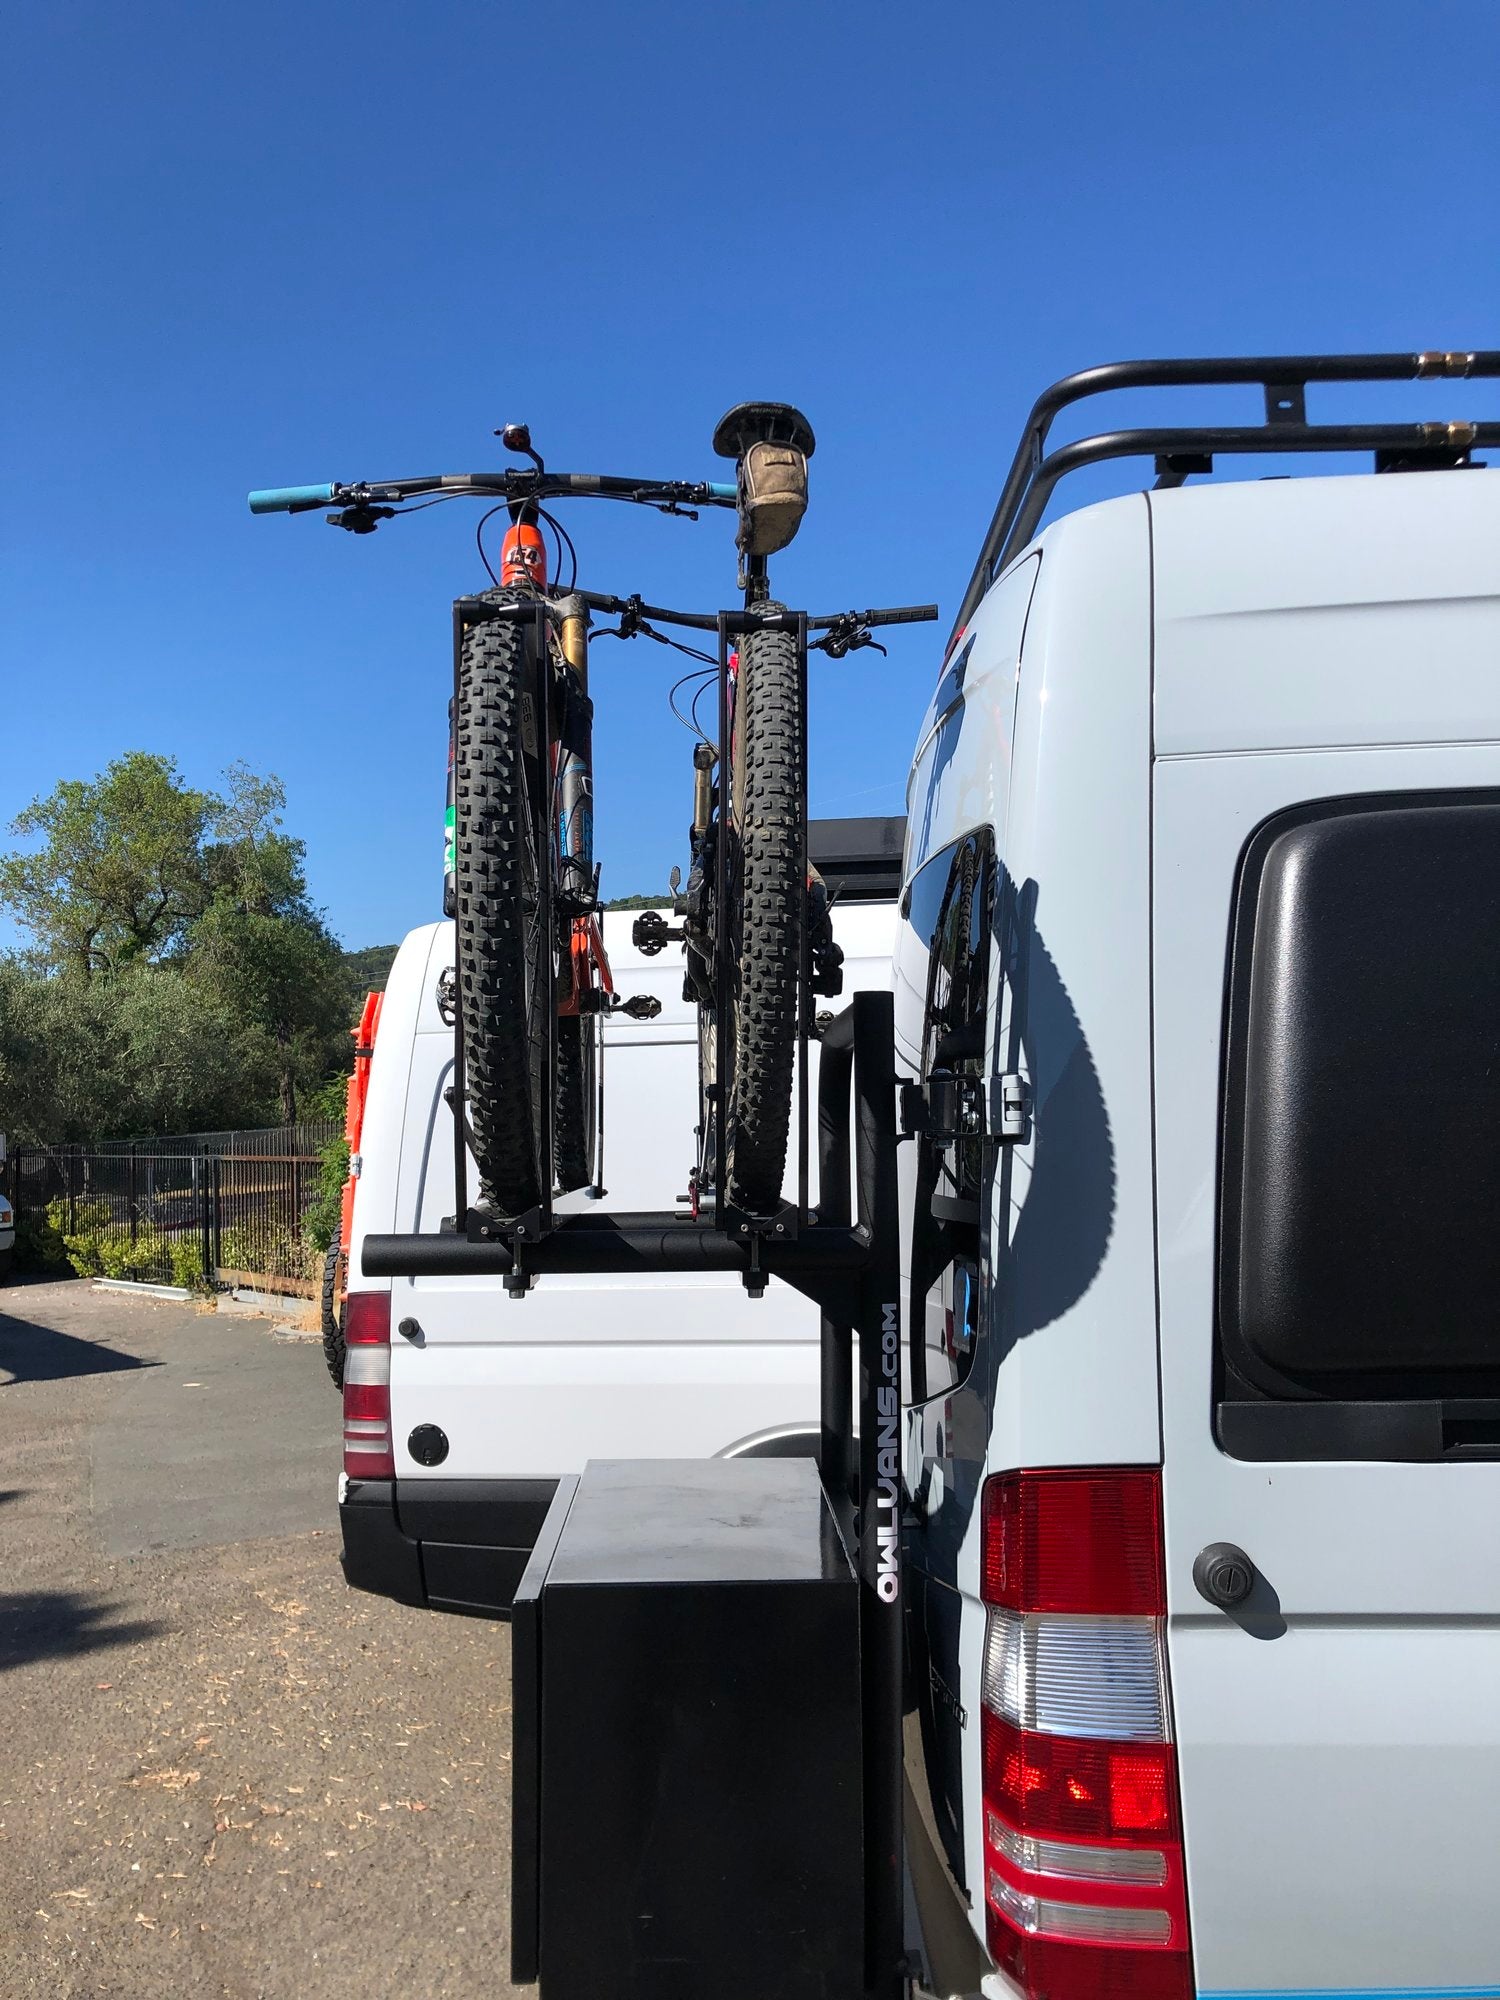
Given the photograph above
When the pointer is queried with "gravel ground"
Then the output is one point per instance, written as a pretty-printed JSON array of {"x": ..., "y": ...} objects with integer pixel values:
[{"x": 222, "y": 1772}]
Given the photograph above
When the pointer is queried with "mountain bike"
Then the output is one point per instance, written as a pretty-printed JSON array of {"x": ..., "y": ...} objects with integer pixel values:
[
  {"x": 755, "y": 918},
  {"x": 533, "y": 981},
  {"x": 757, "y": 938}
]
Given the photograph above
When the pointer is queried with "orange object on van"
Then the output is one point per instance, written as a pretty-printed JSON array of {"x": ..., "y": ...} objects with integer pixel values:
[{"x": 355, "y": 1092}]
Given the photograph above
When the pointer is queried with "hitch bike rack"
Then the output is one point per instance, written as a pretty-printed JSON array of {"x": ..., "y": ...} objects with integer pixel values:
[{"x": 847, "y": 1261}]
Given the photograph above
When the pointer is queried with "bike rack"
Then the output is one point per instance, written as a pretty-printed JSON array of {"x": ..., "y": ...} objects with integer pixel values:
[
  {"x": 524, "y": 1232},
  {"x": 851, "y": 1269},
  {"x": 844, "y": 1256}
]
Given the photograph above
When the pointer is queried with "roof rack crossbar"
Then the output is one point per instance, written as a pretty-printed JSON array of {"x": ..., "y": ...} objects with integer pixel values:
[{"x": 1034, "y": 473}]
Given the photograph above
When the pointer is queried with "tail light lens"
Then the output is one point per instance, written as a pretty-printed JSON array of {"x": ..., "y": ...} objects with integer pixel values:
[
  {"x": 1084, "y": 1890},
  {"x": 367, "y": 1386}
]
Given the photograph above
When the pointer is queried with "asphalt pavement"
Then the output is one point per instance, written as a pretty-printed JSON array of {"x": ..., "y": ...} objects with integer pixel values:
[{"x": 222, "y": 1773}]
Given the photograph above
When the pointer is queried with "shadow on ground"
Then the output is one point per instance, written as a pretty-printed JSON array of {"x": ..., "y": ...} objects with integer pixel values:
[
  {"x": 32, "y": 1352},
  {"x": 61, "y": 1624}
]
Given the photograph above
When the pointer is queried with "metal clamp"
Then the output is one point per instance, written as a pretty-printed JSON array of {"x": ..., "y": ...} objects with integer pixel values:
[{"x": 948, "y": 1108}]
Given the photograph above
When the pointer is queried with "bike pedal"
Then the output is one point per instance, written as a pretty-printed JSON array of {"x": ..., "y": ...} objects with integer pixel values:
[
  {"x": 640, "y": 1007},
  {"x": 651, "y": 934}
]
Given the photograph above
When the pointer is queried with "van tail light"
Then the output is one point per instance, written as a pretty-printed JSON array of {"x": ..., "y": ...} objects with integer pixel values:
[
  {"x": 1084, "y": 1891},
  {"x": 367, "y": 1386}
]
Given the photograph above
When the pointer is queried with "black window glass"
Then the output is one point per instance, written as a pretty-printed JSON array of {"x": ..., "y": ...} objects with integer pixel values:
[{"x": 1359, "y": 1298}]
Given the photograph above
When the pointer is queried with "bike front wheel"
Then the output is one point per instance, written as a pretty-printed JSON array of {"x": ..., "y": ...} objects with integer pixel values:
[
  {"x": 500, "y": 848},
  {"x": 767, "y": 892}
]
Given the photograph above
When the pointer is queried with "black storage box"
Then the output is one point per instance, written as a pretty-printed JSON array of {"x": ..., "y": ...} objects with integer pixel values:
[{"x": 686, "y": 1766}]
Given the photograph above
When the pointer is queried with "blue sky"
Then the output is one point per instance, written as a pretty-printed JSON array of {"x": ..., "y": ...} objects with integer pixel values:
[{"x": 290, "y": 242}]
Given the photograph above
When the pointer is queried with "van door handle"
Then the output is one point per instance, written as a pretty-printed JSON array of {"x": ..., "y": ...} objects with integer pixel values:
[{"x": 1223, "y": 1574}]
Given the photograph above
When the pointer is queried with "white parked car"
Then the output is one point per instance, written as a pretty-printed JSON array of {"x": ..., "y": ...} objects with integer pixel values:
[
  {"x": 460, "y": 1419},
  {"x": 7, "y": 1238}
]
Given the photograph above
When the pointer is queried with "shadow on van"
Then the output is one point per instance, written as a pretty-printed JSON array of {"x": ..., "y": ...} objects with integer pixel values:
[
  {"x": 1058, "y": 1192},
  {"x": 1066, "y": 1216}
]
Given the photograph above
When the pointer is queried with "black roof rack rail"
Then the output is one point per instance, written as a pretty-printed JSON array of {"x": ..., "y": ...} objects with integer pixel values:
[{"x": 1034, "y": 473}]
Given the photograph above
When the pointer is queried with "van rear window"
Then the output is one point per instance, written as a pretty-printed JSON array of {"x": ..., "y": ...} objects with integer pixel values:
[{"x": 1359, "y": 1280}]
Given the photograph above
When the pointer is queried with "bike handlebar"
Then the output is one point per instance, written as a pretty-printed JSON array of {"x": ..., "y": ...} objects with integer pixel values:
[
  {"x": 518, "y": 485},
  {"x": 707, "y": 621}
]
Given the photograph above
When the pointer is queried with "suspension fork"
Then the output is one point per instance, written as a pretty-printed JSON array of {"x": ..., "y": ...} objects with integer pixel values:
[{"x": 574, "y": 770}]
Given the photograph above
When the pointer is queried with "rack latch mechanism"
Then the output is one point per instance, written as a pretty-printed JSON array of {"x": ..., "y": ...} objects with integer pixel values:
[{"x": 947, "y": 1108}]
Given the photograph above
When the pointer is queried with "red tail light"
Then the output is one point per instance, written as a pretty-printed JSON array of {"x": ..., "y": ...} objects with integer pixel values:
[
  {"x": 367, "y": 1386},
  {"x": 1084, "y": 1890}
]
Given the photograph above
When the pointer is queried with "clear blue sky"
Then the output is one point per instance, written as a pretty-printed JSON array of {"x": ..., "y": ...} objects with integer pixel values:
[{"x": 290, "y": 242}]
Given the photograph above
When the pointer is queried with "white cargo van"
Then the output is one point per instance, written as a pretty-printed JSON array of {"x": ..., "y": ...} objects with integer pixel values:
[
  {"x": 1202, "y": 893},
  {"x": 451, "y": 1461}
]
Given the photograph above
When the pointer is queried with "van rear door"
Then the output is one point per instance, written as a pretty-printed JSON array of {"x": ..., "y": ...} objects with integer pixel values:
[{"x": 1327, "y": 954}]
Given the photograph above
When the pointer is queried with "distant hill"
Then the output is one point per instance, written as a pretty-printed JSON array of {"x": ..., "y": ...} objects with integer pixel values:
[
  {"x": 369, "y": 969},
  {"x": 639, "y": 902}
]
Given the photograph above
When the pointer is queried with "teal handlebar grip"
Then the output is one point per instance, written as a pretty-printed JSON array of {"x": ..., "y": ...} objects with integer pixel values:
[
  {"x": 719, "y": 491},
  {"x": 282, "y": 499}
]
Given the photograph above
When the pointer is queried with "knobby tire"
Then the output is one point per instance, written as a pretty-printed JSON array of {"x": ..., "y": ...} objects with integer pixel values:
[
  {"x": 766, "y": 923},
  {"x": 499, "y": 835}
]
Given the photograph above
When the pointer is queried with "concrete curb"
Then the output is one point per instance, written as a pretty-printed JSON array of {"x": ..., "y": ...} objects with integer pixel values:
[
  {"x": 266, "y": 1305},
  {"x": 179, "y": 1292}
]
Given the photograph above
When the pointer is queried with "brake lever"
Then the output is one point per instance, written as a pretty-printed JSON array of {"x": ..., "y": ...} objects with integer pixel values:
[
  {"x": 361, "y": 518},
  {"x": 631, "y": 624},
  {"x": 848, "y": 636}
]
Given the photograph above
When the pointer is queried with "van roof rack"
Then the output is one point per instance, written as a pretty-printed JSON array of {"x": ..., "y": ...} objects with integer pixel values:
[{"x": 1034, "y": 472}]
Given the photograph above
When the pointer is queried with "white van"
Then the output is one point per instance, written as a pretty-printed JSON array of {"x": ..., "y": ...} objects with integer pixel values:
[
  {"x": 1202, "y": 892},
  {"x": 449, "y": 1470}
]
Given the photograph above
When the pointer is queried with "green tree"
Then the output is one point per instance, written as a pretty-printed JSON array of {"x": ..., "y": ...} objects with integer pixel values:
[
  {"x": 146, "y": 1050},
  {"x": 261, "y": 948},
  {"x": 119, "y": 874},
  {"x": 281, "y": 979},
  {"x": 368, "y": 969},
  {"x": 180, "y": 976}
]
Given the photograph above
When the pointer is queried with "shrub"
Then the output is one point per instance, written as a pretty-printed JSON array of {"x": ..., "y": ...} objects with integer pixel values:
[
  {"x": 146, "y": 1260},
  {"x": 86, "y": 1218},
  {"x": 187, "y": 1262},
  {"x": 85, "y": 1255},
  {"x": 267, "y": 1250},
  {"x": 39, "y": 1245},
  {"x": 321, "y": 1216}
]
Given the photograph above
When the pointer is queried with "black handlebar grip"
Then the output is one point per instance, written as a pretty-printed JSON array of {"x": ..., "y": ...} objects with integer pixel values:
[{"x": 901, "y": 614}]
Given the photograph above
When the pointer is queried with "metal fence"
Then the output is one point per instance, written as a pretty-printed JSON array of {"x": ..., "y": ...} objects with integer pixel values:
[{"x": 222, "y": 1207}]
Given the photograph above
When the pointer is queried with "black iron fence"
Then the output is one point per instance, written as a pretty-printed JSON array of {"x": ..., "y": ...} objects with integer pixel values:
[{"x": 202, "y": 1208}]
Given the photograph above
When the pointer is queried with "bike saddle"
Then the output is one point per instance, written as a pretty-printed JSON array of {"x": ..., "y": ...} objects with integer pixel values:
[
  {"x": 763, "y": 423},
  {"x": 772, "y": 443}
]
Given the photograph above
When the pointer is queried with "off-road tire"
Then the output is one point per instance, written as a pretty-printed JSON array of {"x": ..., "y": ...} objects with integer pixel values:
[
  {"x": 499, "y": 842},
  {"x": 577, "y": 1101},
  {"x": 329, "y": 1307},
  {"x": 766, "y": 791}
]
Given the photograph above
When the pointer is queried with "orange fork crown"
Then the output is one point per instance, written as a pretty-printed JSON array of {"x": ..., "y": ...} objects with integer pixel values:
[{"x": 588, "y": 967}]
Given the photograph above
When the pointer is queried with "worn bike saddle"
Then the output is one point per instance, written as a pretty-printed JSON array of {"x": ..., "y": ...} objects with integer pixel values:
[
  {"x": 772, "y": 442},
  {"x": 763, "y": 423}
]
